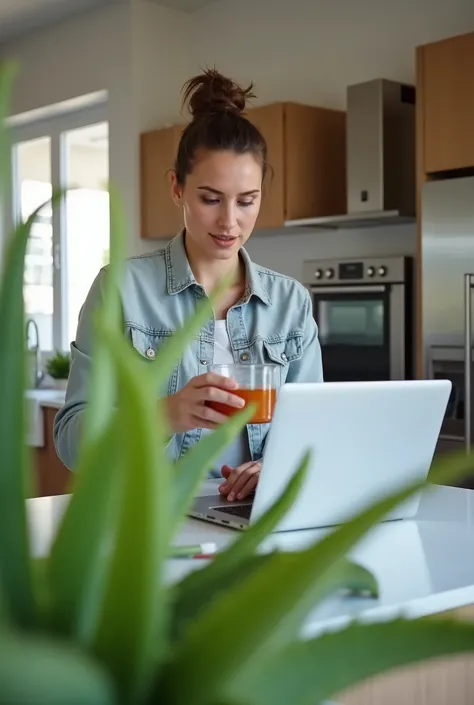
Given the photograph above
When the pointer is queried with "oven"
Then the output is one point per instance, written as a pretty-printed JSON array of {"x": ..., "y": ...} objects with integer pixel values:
[{"x": 364, "y": 311}]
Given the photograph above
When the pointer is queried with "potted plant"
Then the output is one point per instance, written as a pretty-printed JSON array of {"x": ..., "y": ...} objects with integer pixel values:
[
  {"x": 97, "y": 621},
  {"x": 58, "y": 366}
]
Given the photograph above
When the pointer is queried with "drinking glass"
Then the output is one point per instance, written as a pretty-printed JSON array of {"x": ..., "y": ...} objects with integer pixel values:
[{"x": 257, "y": 383}]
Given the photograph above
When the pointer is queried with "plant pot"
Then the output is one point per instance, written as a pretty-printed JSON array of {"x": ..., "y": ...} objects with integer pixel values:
[{"x": 60, "y": 384}]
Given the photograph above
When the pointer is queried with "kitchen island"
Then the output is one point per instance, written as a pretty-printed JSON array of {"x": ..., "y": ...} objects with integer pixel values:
[
  {"x": 424, "y": 567},
  {"x": 50, "y": 476}
]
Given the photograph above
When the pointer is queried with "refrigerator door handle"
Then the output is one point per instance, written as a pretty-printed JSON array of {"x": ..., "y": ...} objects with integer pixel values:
[{"x": 468, "y": 286}]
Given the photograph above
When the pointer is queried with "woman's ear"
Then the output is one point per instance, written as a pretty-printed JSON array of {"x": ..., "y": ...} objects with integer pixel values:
[{"x": 176, "y": 190}]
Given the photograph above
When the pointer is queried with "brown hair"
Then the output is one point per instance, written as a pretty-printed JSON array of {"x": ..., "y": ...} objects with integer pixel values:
[{"x": 216, "y": 104}]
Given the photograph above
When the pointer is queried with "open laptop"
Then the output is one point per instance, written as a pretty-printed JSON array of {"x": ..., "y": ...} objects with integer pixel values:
[{"x": 366, "y": 440}]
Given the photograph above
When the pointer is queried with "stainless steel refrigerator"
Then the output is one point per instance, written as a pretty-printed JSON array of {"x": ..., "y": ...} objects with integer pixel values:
[{"x": 447, "y": 291}]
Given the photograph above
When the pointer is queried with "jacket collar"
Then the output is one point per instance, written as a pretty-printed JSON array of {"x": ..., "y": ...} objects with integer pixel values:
[{"x": 179, "y": 275}]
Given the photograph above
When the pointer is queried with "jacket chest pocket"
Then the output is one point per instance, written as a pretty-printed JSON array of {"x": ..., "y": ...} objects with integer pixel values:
[
  {"x": 283, "y": 352},
  {"x": 148, "y": 345}
]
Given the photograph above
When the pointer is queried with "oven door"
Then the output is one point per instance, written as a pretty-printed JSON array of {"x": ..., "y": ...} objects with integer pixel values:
[{"x": 360, "y": 332}]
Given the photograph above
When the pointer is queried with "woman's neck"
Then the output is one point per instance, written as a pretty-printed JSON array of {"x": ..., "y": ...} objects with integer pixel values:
[{"x": 210, "y": 273}]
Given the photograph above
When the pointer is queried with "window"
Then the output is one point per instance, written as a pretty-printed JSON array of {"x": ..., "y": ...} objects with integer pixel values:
[{"x": 68, "y": 247}]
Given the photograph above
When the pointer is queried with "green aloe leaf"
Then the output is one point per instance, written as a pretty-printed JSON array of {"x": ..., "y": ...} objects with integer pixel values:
[
  {"x": 312, "y": 671},
  {"x": 78, "y": 556},
  {"x": 37, "y": 670},
  {"x": 8, "y": 71},
  {"x": 89, "y": 523},
  {"x": 102, "y": 381},
  {"x": 199, "y": 587},
  {"x": 191, "y": 469},
  {"x": 15, "y": 574},
  {"x": 188, "y": 602},
  {"x": 269, "y": 622},
  {"x": 132, "y": 631}
]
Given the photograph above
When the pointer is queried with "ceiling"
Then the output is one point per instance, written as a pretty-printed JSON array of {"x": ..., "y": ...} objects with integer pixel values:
[{"x": 21, "y": 16}]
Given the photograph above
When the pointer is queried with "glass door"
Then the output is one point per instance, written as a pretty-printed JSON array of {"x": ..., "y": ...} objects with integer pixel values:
[
  {"x": 68, "y": 247},
  {"x": 86, "y": 231},
  {"x": 354, "y": 332},
  {"x": 32, "y": 174}
]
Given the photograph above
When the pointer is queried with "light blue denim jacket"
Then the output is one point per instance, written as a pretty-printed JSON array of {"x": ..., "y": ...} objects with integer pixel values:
[{"x": 272, "y": 323}]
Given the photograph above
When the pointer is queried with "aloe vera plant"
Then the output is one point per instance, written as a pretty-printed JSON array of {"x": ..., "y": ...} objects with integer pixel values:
[{"x": 97, "y": 621}]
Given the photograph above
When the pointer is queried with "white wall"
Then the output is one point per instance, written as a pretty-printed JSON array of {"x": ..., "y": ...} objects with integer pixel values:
[
  {"x": 286, "y": 253},
  {"x": 77, "y": 57},
  {"x": 304, "y": 50},
  {"x": 310, "y": 50},
  {"x": 161, "y": 65},
  {"x": 162, "y": 62}
]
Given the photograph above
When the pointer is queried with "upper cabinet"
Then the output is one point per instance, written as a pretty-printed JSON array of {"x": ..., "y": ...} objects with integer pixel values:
[
  {"x": 445, "y": 72},
  {"x": 306, "y": 175},
  {"x": 160, "y": 217},
  {"x": 306, "y": 158}
]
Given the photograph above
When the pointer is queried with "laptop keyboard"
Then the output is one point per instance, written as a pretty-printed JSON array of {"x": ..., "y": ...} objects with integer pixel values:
[{"x": 238, "y": 510}]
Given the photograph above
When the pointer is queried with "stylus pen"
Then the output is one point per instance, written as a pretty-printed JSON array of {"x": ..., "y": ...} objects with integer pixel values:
[{"x": 200, "y": 550}]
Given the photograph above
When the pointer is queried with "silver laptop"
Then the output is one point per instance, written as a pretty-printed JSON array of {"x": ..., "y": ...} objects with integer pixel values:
[{"x": 366, "y": 439}]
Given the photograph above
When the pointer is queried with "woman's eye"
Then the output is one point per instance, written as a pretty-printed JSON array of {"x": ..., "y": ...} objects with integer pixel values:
[
  {"x": 246, "y": 203},
  {"x": 210, "y": 200}
]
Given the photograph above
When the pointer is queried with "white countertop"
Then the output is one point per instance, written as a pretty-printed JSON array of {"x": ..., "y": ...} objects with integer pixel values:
[
  {"x": 36, "y": 400},
  {"x": 47, "y": 397},
  {"x": 423, "y": 566}
]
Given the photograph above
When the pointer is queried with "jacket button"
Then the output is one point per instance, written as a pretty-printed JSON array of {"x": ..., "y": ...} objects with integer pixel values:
[
  {"x": 244, "y": 357},
  {"x": 150, "y": 353},
  {"x": 284, "y": 357},
  {"x": 203, "y": 362}
]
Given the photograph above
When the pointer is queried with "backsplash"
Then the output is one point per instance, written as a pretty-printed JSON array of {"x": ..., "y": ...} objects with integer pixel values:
[{"x": 286, "y": 253}]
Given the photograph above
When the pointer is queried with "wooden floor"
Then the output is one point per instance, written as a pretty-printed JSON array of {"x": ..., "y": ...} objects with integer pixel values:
[{"x": 440, "y": 682}]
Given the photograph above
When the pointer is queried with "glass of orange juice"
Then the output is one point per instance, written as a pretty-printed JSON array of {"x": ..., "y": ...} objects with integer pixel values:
[{"x": 257, "y": 383}]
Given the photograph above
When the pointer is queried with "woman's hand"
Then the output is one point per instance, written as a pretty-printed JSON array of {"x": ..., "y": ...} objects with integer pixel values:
[
  {"x": 187, "y": 409},
  {"x": 240, "y": 481}
]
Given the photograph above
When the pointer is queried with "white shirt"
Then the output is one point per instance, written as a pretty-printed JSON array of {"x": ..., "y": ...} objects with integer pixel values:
[{"x": 238, "y": 452}]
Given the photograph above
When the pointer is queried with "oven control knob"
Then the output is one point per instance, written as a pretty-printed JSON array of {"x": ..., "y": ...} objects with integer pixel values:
[
  {"x": 318, "y": 274},
  {"x": 370, "y": 271},
  {"x": 382, "y": 271},
  {"x": 330, "y": 273}
]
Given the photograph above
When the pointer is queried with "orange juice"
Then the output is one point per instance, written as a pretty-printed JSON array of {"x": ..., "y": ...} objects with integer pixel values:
[{"x": 265, "y": 400}]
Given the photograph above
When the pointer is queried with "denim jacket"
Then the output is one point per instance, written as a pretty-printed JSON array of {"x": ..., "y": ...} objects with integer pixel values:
[{"x": 273, "y": 323}]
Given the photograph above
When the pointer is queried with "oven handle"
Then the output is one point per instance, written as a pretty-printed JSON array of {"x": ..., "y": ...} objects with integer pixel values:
[{"x": 348, "y": 289}]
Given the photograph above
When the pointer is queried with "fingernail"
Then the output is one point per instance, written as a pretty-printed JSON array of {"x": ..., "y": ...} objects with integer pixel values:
[
  {"x": 241, "y": 402},
  {"x": 230, "y": 497},
  {"x": 240, "y": 495},
  {"x": 223, "y": 486}
]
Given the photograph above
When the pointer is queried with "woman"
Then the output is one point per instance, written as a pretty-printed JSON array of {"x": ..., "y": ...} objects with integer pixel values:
[{"x": 266, "y": 317}]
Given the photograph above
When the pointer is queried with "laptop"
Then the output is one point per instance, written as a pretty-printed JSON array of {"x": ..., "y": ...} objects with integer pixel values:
[{"x": 366, "y": 440}]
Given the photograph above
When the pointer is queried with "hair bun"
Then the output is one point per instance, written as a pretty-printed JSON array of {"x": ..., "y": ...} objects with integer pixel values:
[{"x": 211, "y": 93}]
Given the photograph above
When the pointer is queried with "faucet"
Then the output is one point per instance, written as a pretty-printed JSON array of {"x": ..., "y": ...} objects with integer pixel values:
[{"x": 38, "y": 374}]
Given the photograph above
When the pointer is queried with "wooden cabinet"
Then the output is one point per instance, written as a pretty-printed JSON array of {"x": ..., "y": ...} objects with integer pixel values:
[
  {"x": 307, "y": 158},
  {"x": 446, "y": 94},
  {"x": 306, "y": 178},
  {"x": 51, "y": 477},
  {"x": 160, "y": 217}
]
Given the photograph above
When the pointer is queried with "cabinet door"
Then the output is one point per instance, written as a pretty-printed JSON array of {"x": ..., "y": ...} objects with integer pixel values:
[
  {"x": 51, "y": 476},
  {"x": 315, "y": 148},
  {"x": 448, "y": 103},
  {"x": 269, "y": 119},
  {"x": 160, "y": 217}
]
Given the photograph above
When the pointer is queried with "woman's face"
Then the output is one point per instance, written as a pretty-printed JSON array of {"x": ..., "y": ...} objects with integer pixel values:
[{"x": 220, "y": 200}]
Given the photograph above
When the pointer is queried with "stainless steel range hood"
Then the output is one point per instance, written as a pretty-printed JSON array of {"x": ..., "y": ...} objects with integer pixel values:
[{"x": 380, "y": 158}]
